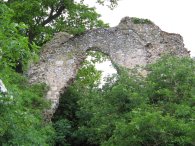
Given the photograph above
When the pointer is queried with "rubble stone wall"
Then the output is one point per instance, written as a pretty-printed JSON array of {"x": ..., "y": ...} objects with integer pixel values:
[{"x": 127, "y": 45}]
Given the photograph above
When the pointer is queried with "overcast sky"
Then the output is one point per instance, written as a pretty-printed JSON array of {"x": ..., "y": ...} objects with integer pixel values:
[{"x": 174, "y": 16}]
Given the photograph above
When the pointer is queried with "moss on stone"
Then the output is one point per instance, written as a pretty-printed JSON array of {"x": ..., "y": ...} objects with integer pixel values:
[{"x": 141, "y": 21}]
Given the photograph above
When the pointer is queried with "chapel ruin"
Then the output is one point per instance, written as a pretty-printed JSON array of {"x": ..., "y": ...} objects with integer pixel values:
[{"x": 129, "y": 44}]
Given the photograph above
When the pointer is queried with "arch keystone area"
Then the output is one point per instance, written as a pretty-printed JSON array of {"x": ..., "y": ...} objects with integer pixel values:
[{"x": 133, "y": 42}]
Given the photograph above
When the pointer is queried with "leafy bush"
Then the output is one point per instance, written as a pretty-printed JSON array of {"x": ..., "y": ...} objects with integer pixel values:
[
  {"x": 21, "y": 120},
  {"x": 155, "y": 110},
  {"x": 14, "y": 46}
]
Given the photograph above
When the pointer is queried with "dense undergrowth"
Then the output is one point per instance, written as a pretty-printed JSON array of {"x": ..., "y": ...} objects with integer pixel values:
[
  {"x": 156, "y": 110},
  {"x": 21, "y": 112}
]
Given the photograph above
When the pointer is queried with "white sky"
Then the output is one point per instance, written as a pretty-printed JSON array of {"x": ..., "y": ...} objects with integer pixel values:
[{"x": 174, "y": 16}]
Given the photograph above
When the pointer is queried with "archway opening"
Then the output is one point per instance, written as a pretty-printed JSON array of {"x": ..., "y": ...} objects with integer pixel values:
[{"x": 70, "y": 116}]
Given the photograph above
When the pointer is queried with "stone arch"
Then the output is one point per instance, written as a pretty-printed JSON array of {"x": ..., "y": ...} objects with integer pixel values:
[{"x": 127, "y": 45}]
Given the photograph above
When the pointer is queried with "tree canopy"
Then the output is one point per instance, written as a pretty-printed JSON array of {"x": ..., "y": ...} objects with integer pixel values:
[
  {"x": 46, "y": 17},
  {"x": 35, "y": 22}
]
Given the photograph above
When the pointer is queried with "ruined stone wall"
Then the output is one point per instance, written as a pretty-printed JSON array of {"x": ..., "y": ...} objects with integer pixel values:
[{"x": 127, "y": 44}]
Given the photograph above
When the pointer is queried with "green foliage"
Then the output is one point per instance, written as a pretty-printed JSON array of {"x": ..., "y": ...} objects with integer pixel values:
[
  {"x": 63, "y": 130},
  {"x": 21, "y": 24},
  {"x": 128, "y": 110},
  {"x": 21, "y": 120},
  {"x": 26, "y": 24},
  {"x": 150, "y": 127},
  {"x": 134, "y": 110},
  {"x": 44, "y": 18},
  {"x": 141, "y": 21},
  {"x": 87, "y": 81},
  {"x": 81, "y": 18},
  {"x": 171, "y": 80},
  {"x": 110, "y": 3},
  {"x": 13, "y": 43},
  {"x": 167, "y": 116}
]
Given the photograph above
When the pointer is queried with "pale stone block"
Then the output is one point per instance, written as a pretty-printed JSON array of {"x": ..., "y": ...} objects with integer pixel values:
[
  {"x": 59, "y": 63},
  {"x": 54, "y": 88},
  {"x": 2, "y": 87}
]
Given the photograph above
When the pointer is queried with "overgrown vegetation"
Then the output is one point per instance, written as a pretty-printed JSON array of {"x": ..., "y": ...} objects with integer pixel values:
[
  {"x": 21, "y": 120},
  {"x": 156, "y": 110},
  {"x": 46, "y": 17},
  {"x": 141, "y": 21},
  {"x": 24, "y": 27},
  {"x": 14, "y": 46}
]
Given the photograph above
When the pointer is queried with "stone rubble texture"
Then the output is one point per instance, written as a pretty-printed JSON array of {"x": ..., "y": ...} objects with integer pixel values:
[{"x": 127, "y": 45}]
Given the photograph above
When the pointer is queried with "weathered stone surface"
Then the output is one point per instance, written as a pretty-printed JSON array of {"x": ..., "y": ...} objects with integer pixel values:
[
  {"x": 2, "y": 87},
  {"x": 127, "y": 44}
]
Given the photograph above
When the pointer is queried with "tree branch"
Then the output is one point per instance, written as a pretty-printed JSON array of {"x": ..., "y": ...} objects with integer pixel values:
[
  {"x": 51, "y": 12},
  {"x": 53, "y": 16}
]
